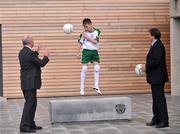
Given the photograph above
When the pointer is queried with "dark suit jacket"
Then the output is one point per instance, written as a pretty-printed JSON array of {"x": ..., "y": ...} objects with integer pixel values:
[
  {"x": 156, "y": 70},
  {"x": 31, "y": 68}
]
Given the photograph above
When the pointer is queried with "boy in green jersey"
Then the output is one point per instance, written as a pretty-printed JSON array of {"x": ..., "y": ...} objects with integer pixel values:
[{"x": 89, "y": 43}]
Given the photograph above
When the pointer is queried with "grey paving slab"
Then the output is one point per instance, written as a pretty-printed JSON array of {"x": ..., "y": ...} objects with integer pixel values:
[
  {"x": 2, "y": 99},
  {"x": 11, "y": 110}
]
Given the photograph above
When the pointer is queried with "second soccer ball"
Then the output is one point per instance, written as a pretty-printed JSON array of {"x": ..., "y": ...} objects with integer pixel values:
[{"x": 138, "y": 70}]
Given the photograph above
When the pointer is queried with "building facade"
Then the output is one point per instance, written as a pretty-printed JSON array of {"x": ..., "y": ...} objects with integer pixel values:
[
  {"x": 124, "y": 42},
  {"x": 175, "y": 46}
]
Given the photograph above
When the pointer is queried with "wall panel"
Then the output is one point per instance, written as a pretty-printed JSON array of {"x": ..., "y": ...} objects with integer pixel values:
[{"x": 124, "y": 42}]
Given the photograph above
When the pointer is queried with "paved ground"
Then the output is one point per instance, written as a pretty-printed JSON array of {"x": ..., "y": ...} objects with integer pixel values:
[{"x": 11, "y": 110}]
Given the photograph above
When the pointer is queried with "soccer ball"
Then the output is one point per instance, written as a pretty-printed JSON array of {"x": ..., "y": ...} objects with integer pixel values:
[
  {"x": 138, "y": 70},
  {"x": 68, "y": 28}
]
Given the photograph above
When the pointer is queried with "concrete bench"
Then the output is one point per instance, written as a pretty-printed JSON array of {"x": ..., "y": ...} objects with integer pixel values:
[{"x": 90, "y": 109}]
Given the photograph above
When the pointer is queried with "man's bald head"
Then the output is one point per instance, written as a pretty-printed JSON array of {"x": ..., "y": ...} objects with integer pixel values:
[{"x": 27, "y": 41}]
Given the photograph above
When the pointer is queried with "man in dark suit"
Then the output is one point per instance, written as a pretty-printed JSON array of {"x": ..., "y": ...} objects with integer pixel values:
[
  {"x": 30, "y": 81},
  {"x": 156, "y": 75}
]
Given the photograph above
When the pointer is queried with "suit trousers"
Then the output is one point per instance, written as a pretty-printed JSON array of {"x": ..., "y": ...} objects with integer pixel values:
[
  {"x": 28, "y": 115},
  {"x": 159, "y": 105}
]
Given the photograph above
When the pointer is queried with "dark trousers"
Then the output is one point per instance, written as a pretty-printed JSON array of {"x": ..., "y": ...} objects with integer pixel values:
[
  {"x": 27, "y": 119},
  {"x": 159, "y": 105}
]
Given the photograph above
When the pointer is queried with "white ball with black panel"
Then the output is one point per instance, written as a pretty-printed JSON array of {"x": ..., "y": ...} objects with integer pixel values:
[
  {"x": 68, "y": 28},
  {"x": 139, "y": 70}
]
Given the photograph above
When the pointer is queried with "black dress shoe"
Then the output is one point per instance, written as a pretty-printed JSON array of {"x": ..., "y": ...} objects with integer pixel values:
[
  {"x": 152, "y": 123},
  {"x": 36, "y": 127},
  {"x": 27, "y": 130},
  {"x": 162, "y": 125}
]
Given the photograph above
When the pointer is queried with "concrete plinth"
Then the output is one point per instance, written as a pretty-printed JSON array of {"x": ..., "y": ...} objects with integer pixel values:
[{"x": 90, "y": 109}]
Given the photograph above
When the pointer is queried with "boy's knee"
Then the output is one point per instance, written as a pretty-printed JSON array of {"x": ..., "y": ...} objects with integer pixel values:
[
  {"x": 96, "y": 68},
  {"x": 84, "y": 68}
]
